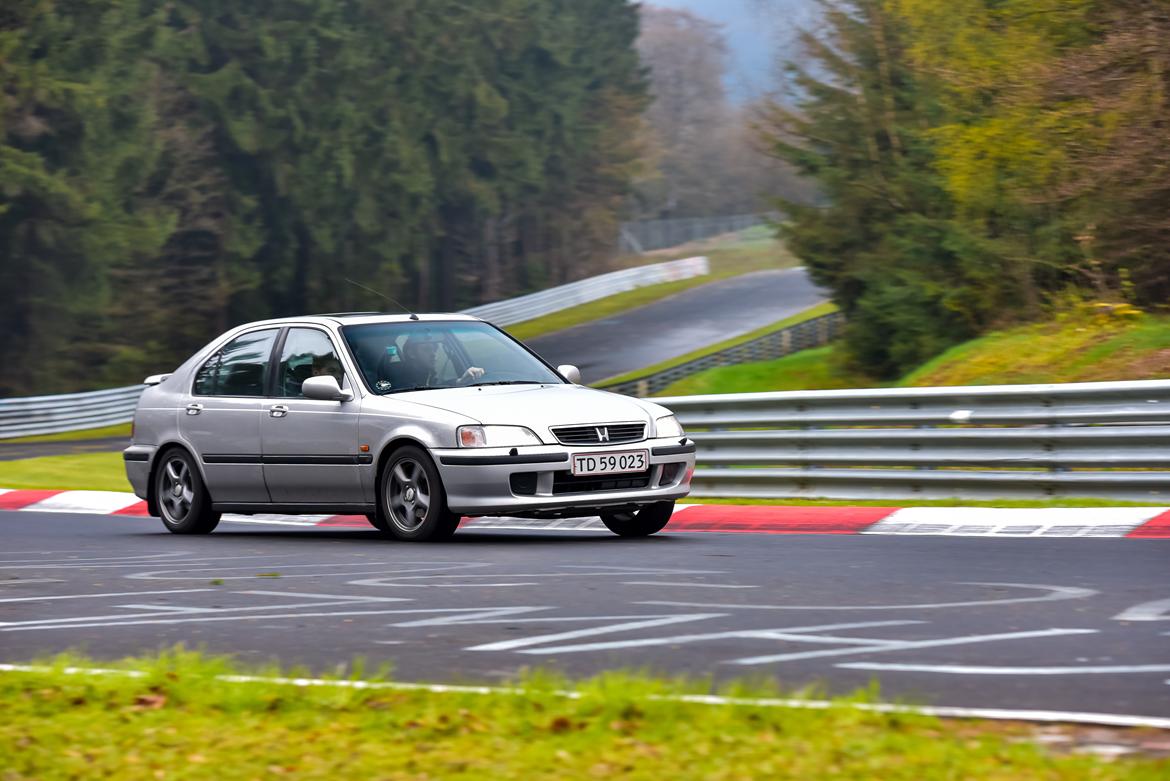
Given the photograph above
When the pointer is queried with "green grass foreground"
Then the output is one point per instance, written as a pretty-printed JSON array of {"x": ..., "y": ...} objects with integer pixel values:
[
  {"x": 81, "y": 472},
  {"x": 182, "y": 721},
  {"x": 1070, "y": 349},
  {"x": 725, "y": 262}
]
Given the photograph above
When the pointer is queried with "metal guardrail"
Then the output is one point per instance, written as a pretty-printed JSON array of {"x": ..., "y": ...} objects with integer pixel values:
[
  {"x": 34, "y": 415},
  {"x": 517, "y": 310},
  {"x": 1108, "y": 440},
  {"x": 815, "y": 332}
]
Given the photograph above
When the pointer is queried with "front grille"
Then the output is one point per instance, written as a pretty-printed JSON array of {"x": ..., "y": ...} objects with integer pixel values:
[
  {"x": 602, "y": 434},
  {"x": 568, "y": 483}
]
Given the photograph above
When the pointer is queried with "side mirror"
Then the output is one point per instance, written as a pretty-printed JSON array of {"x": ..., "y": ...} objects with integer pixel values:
[
  {"x": 570, "y": 373},
  {"x": 156, "y": 379},
  {"x": 324, "y": 388}
]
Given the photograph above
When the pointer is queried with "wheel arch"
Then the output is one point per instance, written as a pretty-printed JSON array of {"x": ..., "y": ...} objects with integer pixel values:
[{"x": 163, "y": 449}]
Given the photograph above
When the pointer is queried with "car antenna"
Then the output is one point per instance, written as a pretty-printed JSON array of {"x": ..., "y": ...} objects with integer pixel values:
[{"x": 394, "y": 301}]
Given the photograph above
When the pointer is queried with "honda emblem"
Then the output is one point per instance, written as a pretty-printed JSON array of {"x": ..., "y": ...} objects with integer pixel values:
[{"x": 602, "y": 434}]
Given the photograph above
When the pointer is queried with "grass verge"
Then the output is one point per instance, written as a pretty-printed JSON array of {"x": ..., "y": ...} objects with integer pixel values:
[
  {"x": 808, "y": 314},
  {"x": 120, "y": 430},
  {"x": 83, "y": 472},
  {"x": 815, "y": 369},
  {"x": 181, "y": 720},
  {"x": 725, "y": 262},
  {"x": 1066, "y": 350}
]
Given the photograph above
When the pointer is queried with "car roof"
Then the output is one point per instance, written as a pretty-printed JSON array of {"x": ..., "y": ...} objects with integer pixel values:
[{"x": 351, "y": 318}]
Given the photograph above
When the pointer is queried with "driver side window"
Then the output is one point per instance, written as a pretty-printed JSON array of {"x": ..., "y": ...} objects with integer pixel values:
[{"x": 307, "y": 353}]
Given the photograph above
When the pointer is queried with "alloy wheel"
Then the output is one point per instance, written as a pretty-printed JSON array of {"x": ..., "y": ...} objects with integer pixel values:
[
  {"x": 409, "y": 495},
  {"x": 177, "y": 490}
]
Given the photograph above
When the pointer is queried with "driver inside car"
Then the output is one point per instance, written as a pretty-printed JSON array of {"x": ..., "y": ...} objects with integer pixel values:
[{"x": 419, "y": 362}]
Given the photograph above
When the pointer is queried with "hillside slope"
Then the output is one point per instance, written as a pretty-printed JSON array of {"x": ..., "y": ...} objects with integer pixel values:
[{"x": 1070, "y": 349}]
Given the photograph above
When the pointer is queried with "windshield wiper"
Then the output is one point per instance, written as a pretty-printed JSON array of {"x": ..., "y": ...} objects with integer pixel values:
[
  {"x": 416, "y": 388},
  {"x": 505, "y": 382}
]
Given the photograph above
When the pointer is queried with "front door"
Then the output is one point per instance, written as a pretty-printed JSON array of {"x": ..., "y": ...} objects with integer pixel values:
[
  {"x": 221, "y": 417},
  {"x": 310, "y": 447}
]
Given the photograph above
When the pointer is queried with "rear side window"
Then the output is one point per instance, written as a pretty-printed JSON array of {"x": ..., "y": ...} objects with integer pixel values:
[{"x": 239, "y": 368}]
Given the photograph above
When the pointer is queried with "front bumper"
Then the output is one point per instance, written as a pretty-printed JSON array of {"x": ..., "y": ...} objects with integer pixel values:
[{"x": 484, "y": 481}]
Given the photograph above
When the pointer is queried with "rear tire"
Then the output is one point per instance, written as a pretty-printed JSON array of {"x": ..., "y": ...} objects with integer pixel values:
[
  {"x": 378, "y": 522},
  {"x": 648, "y": 520},
  {"x": 412, "y": 504},
  {"x": 183, "y": 502}
]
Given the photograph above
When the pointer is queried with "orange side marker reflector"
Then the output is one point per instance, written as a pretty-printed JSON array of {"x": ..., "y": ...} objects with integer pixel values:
[{"x": 364, "y": 448}]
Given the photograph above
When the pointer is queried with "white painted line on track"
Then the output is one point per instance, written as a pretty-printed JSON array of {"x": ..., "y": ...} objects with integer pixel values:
[
  {"x": 682, "y": 584},
  {"x": 116, "y": 619},
  {"x": 520, "y": 642},
  {"x": 911, "y": 645},
  {"x": 942, "y": 711},
  {"x": 1158, "y": 610},
  {"x": 311, "y": 595},
  {"x": 788, "y": 634},
  {"x": 969, "y": 669},
  {"x": 236, "y": 617},
  {"x": 147, "y": 558},
  {"x": 29, "y": 581},
  {"x": 108, "y": 594},
  {"x": 1054, "y": 593}
]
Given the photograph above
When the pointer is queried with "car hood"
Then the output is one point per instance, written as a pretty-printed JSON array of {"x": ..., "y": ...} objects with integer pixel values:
[{"x": 538, "y": 406}]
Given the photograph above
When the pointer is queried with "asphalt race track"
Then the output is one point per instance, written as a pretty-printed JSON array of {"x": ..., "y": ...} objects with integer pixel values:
[
  {"x": 679, "y": 324},
  {"x": 1064, "y": 624}
]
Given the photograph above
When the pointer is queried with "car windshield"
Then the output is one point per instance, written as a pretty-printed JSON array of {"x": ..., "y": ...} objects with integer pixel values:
[{"x": 404, "y": 356}]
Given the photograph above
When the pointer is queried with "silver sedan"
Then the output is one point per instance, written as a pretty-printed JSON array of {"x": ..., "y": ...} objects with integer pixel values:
[{"x": 414, "y": 421}]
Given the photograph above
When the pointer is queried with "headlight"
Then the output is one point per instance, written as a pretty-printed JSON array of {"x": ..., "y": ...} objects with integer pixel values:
[
  {"x": 495, "y": 436},
  {"x": 668, "y": 427}
]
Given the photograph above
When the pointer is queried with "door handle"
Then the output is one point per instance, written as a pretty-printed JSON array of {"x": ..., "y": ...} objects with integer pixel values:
[
  {"x": 278, "y": 410},
  {"x": 194, "y": 409}
]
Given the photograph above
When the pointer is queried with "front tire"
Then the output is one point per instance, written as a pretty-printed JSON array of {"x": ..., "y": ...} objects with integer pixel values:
[
  {"x": 648, "y": 520},
  {"x": 183, "y": 502},
  {"x": 412, "y": 504}
]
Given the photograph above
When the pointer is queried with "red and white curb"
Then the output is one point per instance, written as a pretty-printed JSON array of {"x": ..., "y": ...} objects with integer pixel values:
[{"x": 1133, "y": 522}]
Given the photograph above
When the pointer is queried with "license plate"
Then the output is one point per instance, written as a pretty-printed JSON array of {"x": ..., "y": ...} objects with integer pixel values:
[{"x": 611, "y": 463}]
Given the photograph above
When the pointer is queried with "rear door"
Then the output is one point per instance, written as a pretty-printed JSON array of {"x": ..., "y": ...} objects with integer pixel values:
[
  {"x": 222, "y": 415},
  {"x": 310, "y": 447}
]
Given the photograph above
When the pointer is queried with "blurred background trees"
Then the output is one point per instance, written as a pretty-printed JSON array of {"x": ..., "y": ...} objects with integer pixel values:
[
  {"x": 703, "y": 156},
  {"x": 171, "y": 168},
  {"x": 979, "y": 158}
]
